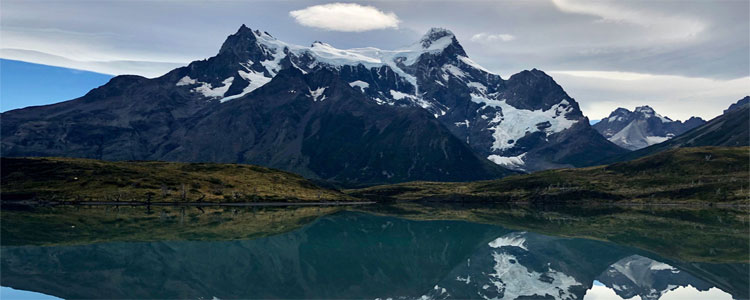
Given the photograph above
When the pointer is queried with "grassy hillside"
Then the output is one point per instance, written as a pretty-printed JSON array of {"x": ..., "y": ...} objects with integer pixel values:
[
  {"x": 93, "y": 180},
  {"x": 700, "y": 174},
  {"x": 704, "y": 174}
]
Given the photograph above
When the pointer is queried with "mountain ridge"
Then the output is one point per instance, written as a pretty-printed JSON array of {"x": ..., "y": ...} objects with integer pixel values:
[
  {"x": 525, "y": 123},
  {"x": 731, "y": 129},
  {"x": 642, "y": 127}
]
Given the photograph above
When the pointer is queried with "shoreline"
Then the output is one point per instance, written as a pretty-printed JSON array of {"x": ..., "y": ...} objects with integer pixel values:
[
  {"x": 191, "y": 204},
  {"x": 582, "y": 204}
]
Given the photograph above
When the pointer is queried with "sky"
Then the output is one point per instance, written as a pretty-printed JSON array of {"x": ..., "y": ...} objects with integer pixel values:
[
  {"x": 684, "y": 58},
  {"x": 25, "y": 84}
]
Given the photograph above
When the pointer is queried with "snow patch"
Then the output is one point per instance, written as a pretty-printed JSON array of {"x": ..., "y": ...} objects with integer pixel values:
[
  {"x": 515, "y": 280},
  {"x": 511, "y": 124},
  {"x": 509, "y": 162},
  {"x": 333, "y": 56},
  {"x": 658, "y": 266},
  {"x": 360, "y": 84},
  {"x": 514, "y": 239},
  {"x": 206, "y": 89},
  {"x": 317, "y": 94},
  {"x": 186, "y": 81},
  {"x": 464, "y": 123},
  {"x": 473, "y": 64},
  {"x": 480, "y": 87},
  {"x": 466, "y": 280},
  {"x": 634, "y": 136},
  {"x": 254, "y": 79},
  {"x": 399, "y": 95},
  {"x": 650, "y": 140},
  {"x": 455, "y": 71}
]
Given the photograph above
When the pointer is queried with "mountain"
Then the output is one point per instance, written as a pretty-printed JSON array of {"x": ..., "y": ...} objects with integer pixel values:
[
  {"x": 642, "y": 127},
  {"x": 732, "y": 128},
  {"x": 739, "y": 104},
  {"x": 357, "y": 116}
]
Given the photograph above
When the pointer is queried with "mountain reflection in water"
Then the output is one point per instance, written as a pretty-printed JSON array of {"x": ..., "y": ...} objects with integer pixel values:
[{"x": 359, "y": 255}]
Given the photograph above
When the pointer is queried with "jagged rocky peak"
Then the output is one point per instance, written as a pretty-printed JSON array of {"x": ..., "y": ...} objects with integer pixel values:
[
  {"x": 647, "y": 111},
  {"x": 619, "y": 112},
  {"x": 538, "y": 91},
  {"x": 435, "y": 34},
  {"x": 642, "y": 127},
  {"x": 441, "y": 39},
  {"x": 533, "y": 76},
  {"x": 739, "y": 104},
  {"x": 644, "y": 109},
  {"x": 242, "y": 41},
  {"x": 526, "y": 123}
]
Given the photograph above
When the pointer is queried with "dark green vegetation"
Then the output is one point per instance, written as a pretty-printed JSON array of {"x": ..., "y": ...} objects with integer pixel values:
[
  {"x": 702, "y": 174},
  {"x": 683, "y": 175},
  {"x": 72, "y": 179}
]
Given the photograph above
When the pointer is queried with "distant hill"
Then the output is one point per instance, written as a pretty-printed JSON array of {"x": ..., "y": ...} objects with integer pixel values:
[
  {"x": 700, "y": 174},
  {"x": 732, "y": 128},
  {"x": 739, "y": 104},
  {"x": 69, "y": 179},
  {"x": 642, "y": 127}
]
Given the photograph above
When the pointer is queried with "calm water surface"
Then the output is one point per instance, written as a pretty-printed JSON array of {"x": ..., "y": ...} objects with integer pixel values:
[{"x": 399, "y": 252}]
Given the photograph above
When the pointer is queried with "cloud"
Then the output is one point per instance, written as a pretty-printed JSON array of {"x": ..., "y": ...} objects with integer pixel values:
[
  {"x": 678, "y": 97},
  {"x": 348, "y": 17},
  {"x": 665, "y": 27},
  {"x": 112, "y": 67},
  {"x": 489, "y": 38}
]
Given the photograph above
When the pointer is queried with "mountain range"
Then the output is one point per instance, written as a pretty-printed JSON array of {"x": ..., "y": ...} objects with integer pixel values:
[
  {"x": 642, "y": 127},
  {"x": 730, "y": 129},
  {"x": 358, "y": 116}
]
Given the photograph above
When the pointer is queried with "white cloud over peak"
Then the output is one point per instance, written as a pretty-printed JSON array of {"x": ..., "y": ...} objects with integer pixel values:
[
  {"x": 484, "y": 37},
  {"x": 349, "y": 17}
]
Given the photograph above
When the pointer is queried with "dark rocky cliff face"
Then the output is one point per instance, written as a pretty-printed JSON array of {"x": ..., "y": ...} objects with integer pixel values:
[{"x": 317, "y": 125}]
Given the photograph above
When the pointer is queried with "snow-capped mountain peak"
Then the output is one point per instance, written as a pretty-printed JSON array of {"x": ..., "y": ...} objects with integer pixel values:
[
  {"x": 648, "y": 112},
  {"x": 435, "y": 34},
  {"x": 439, "y": 40},
  {"x": 434, "y": 74},
  {"x": 642, "y": 127}
]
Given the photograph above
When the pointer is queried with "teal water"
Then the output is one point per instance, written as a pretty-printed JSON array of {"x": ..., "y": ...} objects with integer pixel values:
[{"x": 361, "y": 255}]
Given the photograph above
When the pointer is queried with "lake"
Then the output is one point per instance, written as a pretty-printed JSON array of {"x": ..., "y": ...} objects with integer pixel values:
[{"x": 398, "y": 251}]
